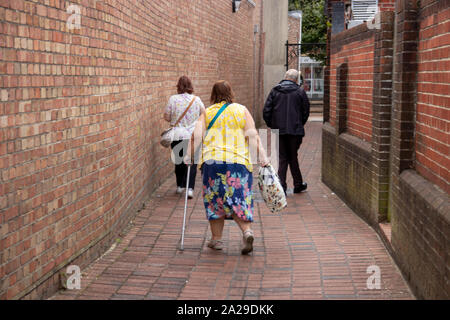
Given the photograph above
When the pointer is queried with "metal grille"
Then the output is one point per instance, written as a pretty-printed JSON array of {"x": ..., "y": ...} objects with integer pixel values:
[
  {"x": 364, "y": 10},
  {"x": 295, "y": 50}
]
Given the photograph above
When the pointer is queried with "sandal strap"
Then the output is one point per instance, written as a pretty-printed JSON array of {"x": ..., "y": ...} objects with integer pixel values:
[
  {"x": 215, "y": 242},
  {"x": 248, "y": 233}
]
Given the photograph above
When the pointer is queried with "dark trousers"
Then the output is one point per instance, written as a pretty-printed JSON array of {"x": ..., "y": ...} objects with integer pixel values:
[
  {"x": 181, "y": 168},
  {"x": 288, "y": 149}
]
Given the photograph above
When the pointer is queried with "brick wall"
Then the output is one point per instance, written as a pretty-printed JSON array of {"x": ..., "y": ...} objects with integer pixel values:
[
  {"x": 293, "y": 37},
  {"x": 401, "y": 173},
  {"x": 418, "y": 207},
  {"x": 81, "y": 113},
  {"x": 294, "y": 30},
  {"x": 346, "y": 169},
  {"x": 355, "y": 161},
  {"x": 355, "y": 48},
  {"x": 433, "y": 114},
  {"x": 386, "y": 5}
]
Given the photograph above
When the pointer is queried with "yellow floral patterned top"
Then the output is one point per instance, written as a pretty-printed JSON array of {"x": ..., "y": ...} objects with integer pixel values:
[{"x": 226, "y": 140}]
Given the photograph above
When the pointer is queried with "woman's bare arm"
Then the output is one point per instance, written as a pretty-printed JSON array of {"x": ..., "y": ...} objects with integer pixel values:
[
  {"x": 202, "y": 110},
  {"x": 196, "y": 138},
  {"x": 254, "y": 141}
]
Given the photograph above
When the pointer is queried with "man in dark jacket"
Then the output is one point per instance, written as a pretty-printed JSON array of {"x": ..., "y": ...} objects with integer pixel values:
[{"x": 287, "y": 109}]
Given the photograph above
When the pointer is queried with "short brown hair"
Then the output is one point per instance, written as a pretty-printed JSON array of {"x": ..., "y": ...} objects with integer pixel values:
[
  {"x": 222, "y": 91},
  {"x": 185, "y": 85}
]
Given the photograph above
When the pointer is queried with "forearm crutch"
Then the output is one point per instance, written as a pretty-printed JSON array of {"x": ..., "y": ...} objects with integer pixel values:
[{"x": 185, "y": 207}]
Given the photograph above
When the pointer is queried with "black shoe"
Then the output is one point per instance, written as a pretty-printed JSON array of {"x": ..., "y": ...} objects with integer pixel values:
[{"x": 301, "y": 188}]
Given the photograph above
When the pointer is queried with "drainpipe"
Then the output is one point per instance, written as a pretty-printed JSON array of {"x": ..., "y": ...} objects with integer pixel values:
[{"x": 300, "y": 14}]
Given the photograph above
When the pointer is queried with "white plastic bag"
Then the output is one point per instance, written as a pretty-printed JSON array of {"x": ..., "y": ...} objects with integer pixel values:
[{"x": 271, "y": 189}]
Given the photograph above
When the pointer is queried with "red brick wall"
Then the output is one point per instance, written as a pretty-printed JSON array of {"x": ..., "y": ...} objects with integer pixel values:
[
  {"x": 293, "y": 37},
  {"x": 358, "y": 53},
  {"x": 419, "y": 209},
  {"x": 294, "y": 30},
  {"x": 407, "y": 157},
  {"x": 386, "y": 5},
  {"x": 433, "y": 113},
  {"x": 81, "y": 113}
]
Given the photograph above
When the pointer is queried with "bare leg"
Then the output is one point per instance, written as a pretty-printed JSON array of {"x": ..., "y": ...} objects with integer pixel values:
[
  {"x": 244, "y": 225},
  {"x": 247, "y": 234},
  {"x": 217, "y": 228}
]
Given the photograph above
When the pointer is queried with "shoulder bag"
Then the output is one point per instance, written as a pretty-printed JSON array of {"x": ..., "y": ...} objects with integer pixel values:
[{"x": 167, "y": 137}]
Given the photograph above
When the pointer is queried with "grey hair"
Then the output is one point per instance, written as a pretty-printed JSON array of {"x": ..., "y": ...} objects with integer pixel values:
[{"x": 292, "y": 74}]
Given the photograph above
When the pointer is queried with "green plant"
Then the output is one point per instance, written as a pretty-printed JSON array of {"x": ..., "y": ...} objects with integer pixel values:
[{"x": 314, "y": 25}]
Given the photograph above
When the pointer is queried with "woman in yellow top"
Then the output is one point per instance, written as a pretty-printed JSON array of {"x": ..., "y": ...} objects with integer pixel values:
[{"x": 226, "y": 164}]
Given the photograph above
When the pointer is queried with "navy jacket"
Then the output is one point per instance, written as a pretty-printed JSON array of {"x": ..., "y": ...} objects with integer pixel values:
[{"x": 287, "y": 108}]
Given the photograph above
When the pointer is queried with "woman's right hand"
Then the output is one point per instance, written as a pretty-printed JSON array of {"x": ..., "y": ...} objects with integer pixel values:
[
  {"x": 188, "y": 159},
  {"x": 264, "y": 161}
]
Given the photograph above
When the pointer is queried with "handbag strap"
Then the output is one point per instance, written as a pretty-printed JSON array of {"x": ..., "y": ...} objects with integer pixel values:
[
  {"x": 215, "y": 117},
  {"x": 184, "y": 113}
]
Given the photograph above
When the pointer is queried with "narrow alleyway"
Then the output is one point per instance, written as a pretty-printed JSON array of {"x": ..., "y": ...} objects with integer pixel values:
[{"x": 316, "y": 249}]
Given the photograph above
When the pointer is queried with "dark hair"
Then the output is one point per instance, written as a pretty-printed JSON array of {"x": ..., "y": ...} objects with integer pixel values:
[
  {"x": 185, "y": 85},
  {"x": 222, "y": 91}
]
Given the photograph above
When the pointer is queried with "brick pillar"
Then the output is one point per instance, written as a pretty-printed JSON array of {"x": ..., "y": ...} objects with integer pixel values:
[
  {"x": 406, "y": 35},
  {"x": 326, "y": 83},
  {"x": 381, "y": 114}
]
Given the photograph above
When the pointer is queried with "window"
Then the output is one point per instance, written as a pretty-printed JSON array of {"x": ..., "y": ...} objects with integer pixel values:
[{"x": 312, "y": 74}]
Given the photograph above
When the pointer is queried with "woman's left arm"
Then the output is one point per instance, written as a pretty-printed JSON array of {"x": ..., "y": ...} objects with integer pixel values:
[
  {"x": 254, "y": 141},
  {"x": 196, "y": 139},
  {"x": 202, "y": 107}
]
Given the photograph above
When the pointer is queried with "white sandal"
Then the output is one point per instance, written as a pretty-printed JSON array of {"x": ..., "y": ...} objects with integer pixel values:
[
  {"x": 248, "y": 242},
  {"x": 215, "y": 244}
]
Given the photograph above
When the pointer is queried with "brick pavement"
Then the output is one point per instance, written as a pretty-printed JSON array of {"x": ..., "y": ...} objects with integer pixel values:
[{"x": 316, "y": 249}]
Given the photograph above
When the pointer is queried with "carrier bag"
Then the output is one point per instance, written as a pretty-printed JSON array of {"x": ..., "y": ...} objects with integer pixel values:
[{"x": 271, "y": 189}]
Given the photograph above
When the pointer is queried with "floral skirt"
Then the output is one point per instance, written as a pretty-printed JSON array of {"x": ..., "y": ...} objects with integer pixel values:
[{"x": 227, "y": 189}]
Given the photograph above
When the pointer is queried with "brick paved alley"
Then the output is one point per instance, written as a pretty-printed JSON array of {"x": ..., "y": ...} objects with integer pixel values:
[{"x": 316, "y": 249}]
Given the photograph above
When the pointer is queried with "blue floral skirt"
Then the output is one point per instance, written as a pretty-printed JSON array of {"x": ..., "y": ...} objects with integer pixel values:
[{"x": 227, "y": 189}]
